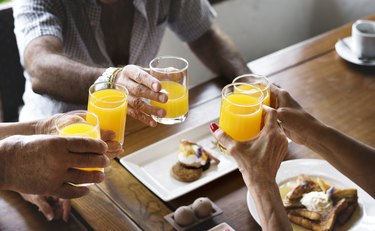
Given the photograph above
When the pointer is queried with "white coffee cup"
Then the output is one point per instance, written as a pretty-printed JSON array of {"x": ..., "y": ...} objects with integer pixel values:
[{"x": 363, "y": 39}]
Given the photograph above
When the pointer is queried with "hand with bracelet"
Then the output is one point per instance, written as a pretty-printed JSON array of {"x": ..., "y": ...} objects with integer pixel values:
[{"x": 140, "y": 85}]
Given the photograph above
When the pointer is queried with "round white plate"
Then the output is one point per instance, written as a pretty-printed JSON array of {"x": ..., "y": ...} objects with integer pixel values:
[
  {"x": 344, "y": 51},
  {"x": 363, "y": 219}
]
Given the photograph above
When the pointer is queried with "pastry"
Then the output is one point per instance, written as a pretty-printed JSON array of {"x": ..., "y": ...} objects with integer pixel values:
[{"x": 193, "y": 159}]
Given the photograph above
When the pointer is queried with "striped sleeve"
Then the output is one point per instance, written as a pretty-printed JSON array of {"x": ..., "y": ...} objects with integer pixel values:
[{"x": 36, "y": 18}]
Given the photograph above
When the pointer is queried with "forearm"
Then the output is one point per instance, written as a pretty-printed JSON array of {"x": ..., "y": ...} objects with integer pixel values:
[
  {"x": 19, "y": 128},
  {"x": 269, "y": 205},
  {"x": 53, "y": 74},
  {"x": 219, "y": 54},
  {"x": 351, "y": 157}
]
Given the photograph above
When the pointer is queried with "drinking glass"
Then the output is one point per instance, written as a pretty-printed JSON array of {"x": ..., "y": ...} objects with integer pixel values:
[
  {"x": 79, "y": 123},
  {"x": 259, "y": 81},
  {"x": 241, "y": 111},
  {"x": 172, "y": 73},
  {"x": 109, "y": 102}
]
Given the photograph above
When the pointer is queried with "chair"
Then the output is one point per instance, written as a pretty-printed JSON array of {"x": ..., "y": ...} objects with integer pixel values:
[{"x": 12, "y": 82}]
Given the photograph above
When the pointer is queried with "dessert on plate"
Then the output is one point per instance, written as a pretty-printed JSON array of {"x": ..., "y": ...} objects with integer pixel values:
[
  {"x": 316, "y": 205},
  {"x": 193, "y": 159}
]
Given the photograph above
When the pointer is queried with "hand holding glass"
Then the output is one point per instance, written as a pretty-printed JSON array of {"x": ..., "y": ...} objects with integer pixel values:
[
  {"x": 259, "y": 81},
  {"x": 172, "y": 73},
  {"x": 241, "y": 111},
  {"x": 109, "y": 102},
  {"x": 79, "y": 123}
]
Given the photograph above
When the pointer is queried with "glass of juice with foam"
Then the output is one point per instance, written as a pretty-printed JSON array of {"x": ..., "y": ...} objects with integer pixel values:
[
  {"x": 109, "y": 102},
  {"x": 79, "y": 123},
  {"x": 241, "y": 111},
  {"x": 259, "y": 81},
  {"x": 172, "y": 73}
]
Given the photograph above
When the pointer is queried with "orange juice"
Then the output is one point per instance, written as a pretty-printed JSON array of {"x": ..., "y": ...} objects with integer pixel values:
[
  {"x": 82, "y": 130},
  {"x": 266, "y": 92},
  {"x": 178, "y": 103},
  {"x": 240, "y": 116},
  {"x": 110, "y": 105}
]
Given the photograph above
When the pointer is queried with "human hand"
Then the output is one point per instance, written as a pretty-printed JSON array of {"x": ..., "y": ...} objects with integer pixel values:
[
  {"x": 46, "y": 165},
  {"x": 258, "y": 159},
  {"x": 53, "y": 208},
  {"x": 142, "y": 85},
  {"x": 47, "y": 126},
  {"x": 298, "y": 125}
]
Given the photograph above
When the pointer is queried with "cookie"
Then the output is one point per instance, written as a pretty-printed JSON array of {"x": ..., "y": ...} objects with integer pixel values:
[{"x": 183, "y": 173}]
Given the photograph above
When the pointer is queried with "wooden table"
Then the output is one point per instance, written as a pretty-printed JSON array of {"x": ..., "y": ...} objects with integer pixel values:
[{"x": 334, "y": 91}]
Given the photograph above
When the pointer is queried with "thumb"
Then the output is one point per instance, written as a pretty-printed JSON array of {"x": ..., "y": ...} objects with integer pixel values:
[{"x": 44, "y": 207}]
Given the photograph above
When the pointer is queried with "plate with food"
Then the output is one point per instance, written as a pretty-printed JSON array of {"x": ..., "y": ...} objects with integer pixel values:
[
  {"x": 317, "y": 196},
  {"x": 180, "y": 163}
]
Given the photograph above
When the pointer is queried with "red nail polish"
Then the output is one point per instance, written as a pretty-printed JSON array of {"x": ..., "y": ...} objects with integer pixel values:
[{"x": 213, "y": 127}]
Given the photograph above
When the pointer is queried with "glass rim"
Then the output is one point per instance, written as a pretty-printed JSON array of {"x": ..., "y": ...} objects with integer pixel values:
[
  {"x": 256, "y": 76},
  {"x": 96, "y": 126},
  {"x": 170, "y": 57},
  {"x": 259, "y": 102},
  {"x": 126, "y": 91}
]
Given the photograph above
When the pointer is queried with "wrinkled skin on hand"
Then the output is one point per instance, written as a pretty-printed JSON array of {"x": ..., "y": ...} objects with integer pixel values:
[
  {"x": 258, "y": 159},
  {"x": 142, "y": 85},
  {"x": 295, "y": 121},
  {"x": 46, "y": 165}
]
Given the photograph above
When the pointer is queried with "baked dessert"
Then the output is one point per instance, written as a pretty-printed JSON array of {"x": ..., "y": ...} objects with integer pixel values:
[
  {"x": 316, "y": 205},
  {"x": 193, "y": 159}
]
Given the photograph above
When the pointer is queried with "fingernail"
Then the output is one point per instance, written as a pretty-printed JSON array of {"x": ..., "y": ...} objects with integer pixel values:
[
  {"x": 213, "y": 127},
  {"x": 49, "y": 217},
  {"x": 161, "y": 113},
  {"x": 163, "y": 98},
  {"x": 155, "y": 86}
]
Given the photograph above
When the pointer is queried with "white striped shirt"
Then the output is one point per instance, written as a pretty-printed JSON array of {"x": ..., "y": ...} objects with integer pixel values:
[{"x": 77, "y": 24}]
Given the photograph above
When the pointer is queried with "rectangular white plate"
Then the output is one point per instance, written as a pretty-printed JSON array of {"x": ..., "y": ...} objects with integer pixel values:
[{"x": 152, "y": 164}]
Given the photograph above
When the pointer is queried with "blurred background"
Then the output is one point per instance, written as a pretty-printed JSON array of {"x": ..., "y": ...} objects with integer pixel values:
[
  {"x": 257, "y": 27},
  {"x": 260, "y": 27}
]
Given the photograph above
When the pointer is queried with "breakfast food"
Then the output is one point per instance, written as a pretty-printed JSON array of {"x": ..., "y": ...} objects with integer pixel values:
[
  {"x": 193, "y": 159},
  {"x": 187, "y": 215},
  {"x": 184, "y": 215},
  {"x": 202, "y": 207},
  {"x": 316, "y": 205}
]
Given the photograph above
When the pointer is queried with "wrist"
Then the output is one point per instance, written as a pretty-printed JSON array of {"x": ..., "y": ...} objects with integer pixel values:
[{"x": 109, "y": 75}]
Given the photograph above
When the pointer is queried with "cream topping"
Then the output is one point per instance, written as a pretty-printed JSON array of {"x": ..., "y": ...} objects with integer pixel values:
[{"x": 316, "y": 202}]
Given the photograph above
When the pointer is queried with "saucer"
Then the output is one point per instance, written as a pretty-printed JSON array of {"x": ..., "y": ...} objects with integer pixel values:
[{"x": 343, "y": 50}]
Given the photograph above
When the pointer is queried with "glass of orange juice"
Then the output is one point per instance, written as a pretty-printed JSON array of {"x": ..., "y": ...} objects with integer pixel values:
[
  {"x": 109, "y": 102},
  {"x": 172, "y": 73},
  {"x": 259, "y": 81},
  {"x": 241, "y": 111},
  {"x": 79, "y": 123}
]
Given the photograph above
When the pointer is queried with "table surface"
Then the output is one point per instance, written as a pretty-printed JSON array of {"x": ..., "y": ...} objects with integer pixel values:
[{"x": 333, "y": 90}]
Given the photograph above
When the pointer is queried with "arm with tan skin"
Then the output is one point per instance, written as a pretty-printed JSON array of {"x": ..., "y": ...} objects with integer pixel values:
[
  {"x": 259, "y": 173},
  {"x": 49, "y": 69},
  {"x": 351, "y": 157},
  {"x": 219, "y": 54}
]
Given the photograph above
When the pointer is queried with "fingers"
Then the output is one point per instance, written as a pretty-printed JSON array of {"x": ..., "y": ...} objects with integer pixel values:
[
  {"x": 87, "y": 160},
  {"x": 114, "y": 149},
  {"x": 44, "y": 207},
  {"x": 66, "y": 207},
  {"x": 78, "y": 176},
  {"x": 140, "y": 105},
  {"x": 144, "y": 118},
  {"x": 85, "y": 145},
  {"x": 68, "y": 191},
  {"x": 223, "y": 138},
  {"x": 107, "y": 135},
  {"x": 140, "y": 76}
]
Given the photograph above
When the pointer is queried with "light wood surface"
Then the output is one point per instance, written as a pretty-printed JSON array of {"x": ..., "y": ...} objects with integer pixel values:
[{"x": 336, "y": 92}]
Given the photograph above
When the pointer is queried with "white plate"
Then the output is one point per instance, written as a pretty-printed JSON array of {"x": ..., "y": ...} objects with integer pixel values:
[
  {"x": 151, "y": 165},
  {"x": 343, "y": 50},
  {"x": 363, "y": 219}
]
